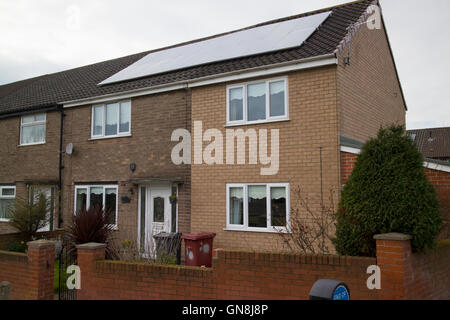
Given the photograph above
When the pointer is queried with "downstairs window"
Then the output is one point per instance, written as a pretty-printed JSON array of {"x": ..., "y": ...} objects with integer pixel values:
[
  {"x": 258, "y": 206},
  {"x": 105, "y": 196}
]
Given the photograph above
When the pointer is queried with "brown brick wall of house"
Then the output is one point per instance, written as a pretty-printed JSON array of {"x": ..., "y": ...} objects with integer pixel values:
[
  {"x": 313, "y": 123},
  {"x": 439, "y": 179},
  {"x": 153, "y": 118},
  {"x": 26, "y": 165},
  {"x": 369, "y": 94}
]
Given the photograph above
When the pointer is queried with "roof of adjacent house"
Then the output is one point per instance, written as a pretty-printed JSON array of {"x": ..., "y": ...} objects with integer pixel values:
[
  {"x": 358, "y": 145},
  {"x": 432, "y": 142},
  {"x": 80, "y": 83}
]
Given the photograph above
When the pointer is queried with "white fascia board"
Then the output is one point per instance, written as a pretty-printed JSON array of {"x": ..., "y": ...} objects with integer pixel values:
[
  {"x": 350, "y": 150},
  {"x": 122, "y": 95},
  {"x": 265, "y": 72},
  {"x": 426, "y": 164},
  {"x": 219, "y": 78},
  {"x": 436, "y": 166}
]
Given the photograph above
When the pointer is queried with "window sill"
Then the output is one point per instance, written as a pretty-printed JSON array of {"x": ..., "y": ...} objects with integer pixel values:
[
  {"x": 110, "y": 137},
  {"x": 31, "y": 144},
  {"x": 261, "y": 230},
  {"x": 256, "y": 122},
  {"x": 4, "y": 220}
]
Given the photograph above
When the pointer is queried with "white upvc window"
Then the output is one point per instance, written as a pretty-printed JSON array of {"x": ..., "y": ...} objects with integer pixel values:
[
  {"x": 258, "y": 102},
  {"x": 257, "y": 207},
  {"x": 32, "y": 129},
  {"x": 7, "y": 198},
  {"x": 111, "y": 120},
  {"x": 104, "y": 195}
]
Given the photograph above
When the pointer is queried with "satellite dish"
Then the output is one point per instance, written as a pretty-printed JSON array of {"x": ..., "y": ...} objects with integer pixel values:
[{"x": 69, "y": 148}]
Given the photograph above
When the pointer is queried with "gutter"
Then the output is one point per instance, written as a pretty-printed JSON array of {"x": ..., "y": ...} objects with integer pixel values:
[
  {"x": 30, "y": 111},
  {"x": 318, "y": 61}
]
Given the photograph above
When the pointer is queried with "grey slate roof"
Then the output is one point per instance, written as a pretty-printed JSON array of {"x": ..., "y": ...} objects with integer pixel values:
[
  {"x": 79, "y": 83},
  {"x": 349, "y": 142},
  {"x": 352, "y": 143},
  {"x": 432, "y": 142}
]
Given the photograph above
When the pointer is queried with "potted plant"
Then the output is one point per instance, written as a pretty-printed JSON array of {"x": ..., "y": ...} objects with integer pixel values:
[{"x": 173, "y": 198}]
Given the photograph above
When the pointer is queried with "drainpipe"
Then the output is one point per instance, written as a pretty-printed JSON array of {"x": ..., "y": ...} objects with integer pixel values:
[{"x": 61, "y": 126}]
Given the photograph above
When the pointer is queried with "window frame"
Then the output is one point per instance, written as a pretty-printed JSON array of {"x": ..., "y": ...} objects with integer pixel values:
[
  {"x": 2, "y": 197},
  {"x": 30, "y": 124},
  {"x": 103, "y": 134},
  {"x": 88, "y": 198},
  {"x": 244, "y": 86},
  {"x": 244, "y": 226}
]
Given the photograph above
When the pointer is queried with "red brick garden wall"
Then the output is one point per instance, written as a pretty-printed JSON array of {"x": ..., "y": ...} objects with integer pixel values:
[
  {"x": 413, "y": 276},
  {"x": 441, "y": 183},
  {"x": 31, "y": 274},
  {"x": 431, "y": 277},
  {"x": 14, "y": 269},
  {"x": 234, "y": 275},
  {"x": 256, "y": 275}
]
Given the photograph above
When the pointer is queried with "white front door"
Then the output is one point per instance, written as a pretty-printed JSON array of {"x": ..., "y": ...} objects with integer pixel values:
[
  {"x": 48, "y": 192},
  {"x": 158, "y": 216}
]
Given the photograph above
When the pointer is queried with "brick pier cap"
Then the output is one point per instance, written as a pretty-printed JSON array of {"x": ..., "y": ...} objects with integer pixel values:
[
  {"x": 40, "y": 243},
  {"x": 392, "y": 236}
]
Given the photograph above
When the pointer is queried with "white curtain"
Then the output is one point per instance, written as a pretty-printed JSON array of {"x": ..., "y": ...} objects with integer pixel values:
[
  {"x": 277, "y": 193},
  {"x": 5, "y": 204},
  {"x": 257, "y": 192},
  {"x": 236, "y": 204}
]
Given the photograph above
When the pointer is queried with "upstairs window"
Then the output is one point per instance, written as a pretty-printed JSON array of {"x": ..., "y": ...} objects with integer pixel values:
[
  {"x": 32, "y": 129},
  {"x": 256, "y": 102},
  {"x": 111, "y": 120},
  {"x": 7, "y": 198}
]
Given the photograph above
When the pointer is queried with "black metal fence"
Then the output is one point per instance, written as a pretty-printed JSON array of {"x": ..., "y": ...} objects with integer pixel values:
[{"x": 67, "y": 256}]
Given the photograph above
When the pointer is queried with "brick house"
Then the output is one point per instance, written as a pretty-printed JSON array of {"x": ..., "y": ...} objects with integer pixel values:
[
  {"x": 29, "y": 162},
  {"x": 338, "y": 80}
]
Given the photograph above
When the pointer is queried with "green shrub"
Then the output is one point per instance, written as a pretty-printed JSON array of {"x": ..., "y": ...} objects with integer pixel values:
[
  {"x": 166, "y": 258},
  {"x": 387, "y": 192},
  {"x": 30, "y": 216},
  {"x": 17, "y": 246}
]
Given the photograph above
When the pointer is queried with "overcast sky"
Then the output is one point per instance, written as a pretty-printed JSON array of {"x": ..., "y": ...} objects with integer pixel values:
[{"x": 46, "y": 36}]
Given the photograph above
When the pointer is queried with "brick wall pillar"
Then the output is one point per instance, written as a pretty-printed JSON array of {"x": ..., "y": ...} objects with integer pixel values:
[
  {"x": 87, "y": 254},
  {"x": 393, "y": 258},
  {"x": 41, "y": 261}
]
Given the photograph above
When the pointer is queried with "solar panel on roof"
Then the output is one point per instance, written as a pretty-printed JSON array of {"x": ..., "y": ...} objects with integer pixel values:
[{"x": 272, "y": 37}]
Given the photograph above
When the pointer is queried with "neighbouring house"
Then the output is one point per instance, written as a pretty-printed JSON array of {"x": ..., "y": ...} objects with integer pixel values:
[
  {"x": 29, "y": 152},
  {"x": 311, "y": 80},
  {"x": 433, "y": 143}
]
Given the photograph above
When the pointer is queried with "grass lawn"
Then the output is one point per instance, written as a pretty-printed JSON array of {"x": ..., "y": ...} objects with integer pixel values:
[
  {"x": 64, "y": 275},
  {"x": 56, "y": 277}
]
